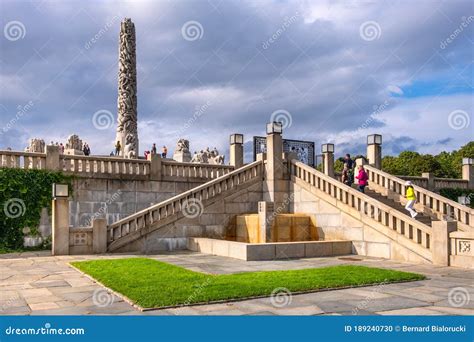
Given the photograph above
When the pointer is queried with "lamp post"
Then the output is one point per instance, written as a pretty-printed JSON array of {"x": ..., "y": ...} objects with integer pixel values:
[
  {"x": 374, "y": 150},
  {"x": 328, "y": 159},
  {"x": 236, "y": 150},
  {"x": 60, "y": 219}
]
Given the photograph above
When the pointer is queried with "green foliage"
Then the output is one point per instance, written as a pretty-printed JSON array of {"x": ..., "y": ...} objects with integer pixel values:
[
  {"x": 151, "y": 283},
  {"x": 445, "y": 164},
  {"x": 23, "y": 193},
  {"x": 453, "y": 194}
]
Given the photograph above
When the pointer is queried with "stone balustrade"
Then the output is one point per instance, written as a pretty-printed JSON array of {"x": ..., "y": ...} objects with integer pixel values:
[
  {"x": 112, "y": 167},
  {"x": 172, "y": 170},
  {"x": 437, "y": 182},
  {"x": 364, "y": 207},
  {"x": 163, "y": 213},
  {"x": 432, "y": 203},
  {"x": 22, "y": 160},
  {"x": 441, "y": 183}
]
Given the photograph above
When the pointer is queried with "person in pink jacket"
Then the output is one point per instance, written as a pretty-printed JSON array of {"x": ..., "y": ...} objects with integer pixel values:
[{"x": 363, "y": 178}]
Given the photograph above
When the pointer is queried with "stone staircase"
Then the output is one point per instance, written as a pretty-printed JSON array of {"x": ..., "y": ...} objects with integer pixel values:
[
  {"x": 392, "y": 189},
  {"x": 190, "y": 203},
  {"x": 421, "y": 217}
]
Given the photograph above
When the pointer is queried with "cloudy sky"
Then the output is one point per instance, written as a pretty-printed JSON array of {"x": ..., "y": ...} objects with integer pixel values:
[{"x": 331, "y": 71}]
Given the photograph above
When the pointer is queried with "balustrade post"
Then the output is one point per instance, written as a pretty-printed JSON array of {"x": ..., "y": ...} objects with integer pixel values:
[
  {"x": 440, "y": 248},
  {"x": 52, "y": 157},
  {"x": 237, "y": 150},
  {"x": 468, "y": 171},
  {"x": 99, "y": 235},
  {"x": 155, "y": 166},
  {"x": 430, "y": 180},
  {"x": 374, "y": 150}
]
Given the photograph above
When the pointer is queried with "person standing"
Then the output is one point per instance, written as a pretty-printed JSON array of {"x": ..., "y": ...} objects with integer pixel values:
[
  {"x": 346, "y": 177},
  {"x": 411, "y": 198},
  {"x": 153, "y": 149},
  {"x": 118, "y": 147},
  {"x": 348, "y": 161},
  {"x": 86, "y": 149},
  {"x": 164, "y": 152},
  {"x": 61, "y": 148},
  {"x": 363, "y": 178}
]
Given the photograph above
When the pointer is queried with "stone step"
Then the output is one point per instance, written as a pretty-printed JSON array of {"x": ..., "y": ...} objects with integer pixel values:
[{"x": 397, "y": 206}]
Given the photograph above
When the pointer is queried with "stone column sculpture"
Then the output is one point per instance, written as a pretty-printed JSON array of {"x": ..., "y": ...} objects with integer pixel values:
[{"x": 127, "y": 132}]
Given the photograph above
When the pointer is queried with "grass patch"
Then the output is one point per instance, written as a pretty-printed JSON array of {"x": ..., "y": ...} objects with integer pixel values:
[{"x": 151, "y": 283}]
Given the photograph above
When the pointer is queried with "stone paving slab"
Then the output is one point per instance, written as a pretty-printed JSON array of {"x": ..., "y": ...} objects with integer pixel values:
[{"x": 36, "y": 283}]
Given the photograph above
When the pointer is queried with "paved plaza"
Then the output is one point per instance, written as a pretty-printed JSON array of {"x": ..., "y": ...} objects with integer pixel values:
[{"x": 37, "y": 283}]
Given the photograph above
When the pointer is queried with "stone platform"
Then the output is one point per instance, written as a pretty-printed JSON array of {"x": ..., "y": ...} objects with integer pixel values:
[
  {"x": 40, "y": 284},
  {"x": 269, "y": 250}
]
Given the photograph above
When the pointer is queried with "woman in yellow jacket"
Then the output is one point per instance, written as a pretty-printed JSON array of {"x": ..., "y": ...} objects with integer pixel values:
[{"x": 411, "y": 197}]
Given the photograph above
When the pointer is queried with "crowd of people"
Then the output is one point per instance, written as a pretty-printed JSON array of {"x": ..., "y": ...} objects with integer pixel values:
[{"x": 164, "y": 151}]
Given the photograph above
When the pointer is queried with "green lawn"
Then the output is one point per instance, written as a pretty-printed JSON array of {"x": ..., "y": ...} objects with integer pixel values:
[{"x": 151, "y": 283}]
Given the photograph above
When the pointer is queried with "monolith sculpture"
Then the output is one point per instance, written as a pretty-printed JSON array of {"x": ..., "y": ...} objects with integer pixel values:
[{"x": 127, "y": 133}]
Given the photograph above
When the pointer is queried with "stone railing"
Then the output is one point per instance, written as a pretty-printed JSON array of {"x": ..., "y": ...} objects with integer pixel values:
[
  {"x": 419, "y": 181},
  {"x": 22, "y": 160},
  {"x": 173, "y": 169},
  {"x": 133, "y": 226},
  {"x": 413, "y": 234},
  {"x": 436, "y": 183},
  {"x": 112, "y": 167},
  {"x": 432, "y": 203},
  {"x": 441, "y": 183},
  {"x": 87, "y": 166}
]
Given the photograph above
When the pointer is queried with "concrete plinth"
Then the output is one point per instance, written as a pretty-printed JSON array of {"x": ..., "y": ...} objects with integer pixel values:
[{"x": 60, "y": 241}]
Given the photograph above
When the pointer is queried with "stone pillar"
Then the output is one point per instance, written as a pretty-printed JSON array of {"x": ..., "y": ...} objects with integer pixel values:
[
  {"x": 440, "y": 246},
  {"x": 274, "y": 169},
  {"x": 374, "y": 150},
  {"x": 127, "y": 132},
  {"x": 468, "y": 171},
  {"x": 52, "y": 157},
  {"x": 155, "y": 166},
  {"x": 360, "y": 161},
  {"x": 99, "y": 236},
  {"x": 328, "y": 159},
  {"x": 430, "y": 177},
  {"x": 237, "y": 150},
  {"x": 266, "y": 216},
  {"x": 60, "y": 236}
]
